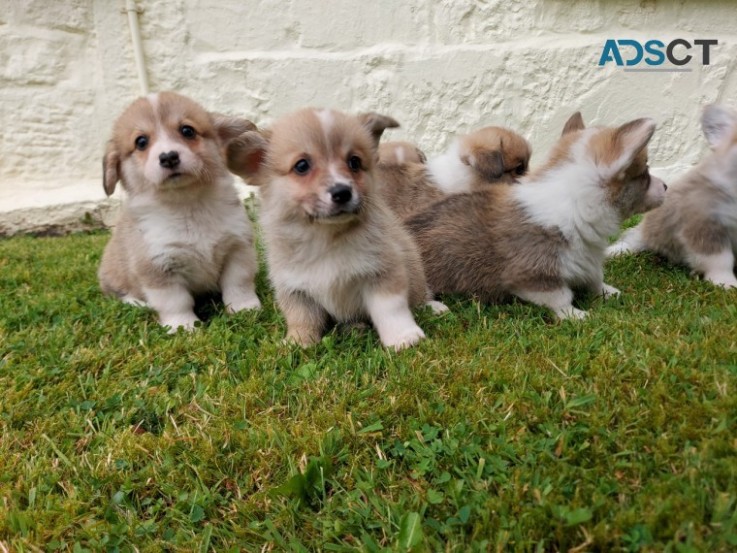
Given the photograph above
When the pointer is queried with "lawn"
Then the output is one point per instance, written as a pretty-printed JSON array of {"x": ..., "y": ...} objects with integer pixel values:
[{"x": 504, "y": 431}]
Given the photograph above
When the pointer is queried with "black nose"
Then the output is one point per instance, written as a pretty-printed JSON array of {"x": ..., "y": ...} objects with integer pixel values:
[
  {"x": 169, "y": 159},
  {"x": 341, "y": 193}
]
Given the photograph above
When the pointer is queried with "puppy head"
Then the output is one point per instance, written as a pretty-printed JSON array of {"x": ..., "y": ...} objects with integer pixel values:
[
  {"x": 315, "y": 165},
  {"x": 398, "y": 152},
  {"x": 620, "y": 155},
  {"x": 719, "y": 124},
  {"x": 495, "y": 154},
  {"x": 166, "y": 141}
]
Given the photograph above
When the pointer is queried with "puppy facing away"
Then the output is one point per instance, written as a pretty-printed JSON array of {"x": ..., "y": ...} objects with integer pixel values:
[
  {"x": 546, "y": 236},
  {"x": 398, "y": 152},
  {"x": 486, "y": 155},
  {"x": 697, "y": 224},
  {"x": 472, "y": 162},
  {"x": 183, "y": 230},
  {"x": 334, "y": 249}
]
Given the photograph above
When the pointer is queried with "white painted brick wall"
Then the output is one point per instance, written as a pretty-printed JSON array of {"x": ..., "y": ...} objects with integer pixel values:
[{"x": 438, "y": 66}]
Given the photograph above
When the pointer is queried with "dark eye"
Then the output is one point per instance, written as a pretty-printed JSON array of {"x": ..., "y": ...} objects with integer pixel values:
[
  {"x": 302, "y": 167},
  {"x": 354, "y": 164},
  {"x": 141, "y": 142},
  {"x": 520, "y": 169},
  {"x": 187, "y": 132}
]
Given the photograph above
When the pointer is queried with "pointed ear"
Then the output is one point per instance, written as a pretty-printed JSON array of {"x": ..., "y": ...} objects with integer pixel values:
[
  {"x": 110, "y": 169},
  {"x": 629, "y": 140},
  {"x": 228, "y": 127},
  {"x": 574, "y": 123},
  {"x": 246, "y": 154},
  {"x": 489, "y": 164},
  {"x": 377, "y": 124},
  {"x": 718, "y": 123}
]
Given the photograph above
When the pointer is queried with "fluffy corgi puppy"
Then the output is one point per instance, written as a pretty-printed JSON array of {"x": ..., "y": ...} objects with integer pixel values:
[
  {"x": 183, "y": 229},
  {"x": 398, "y": 152},
  {"x": 487, "y": 155},
  {"x": 697, "y": 224},
  {"x": 542, "y": 238},
  {"x": 334, "y": 249}
]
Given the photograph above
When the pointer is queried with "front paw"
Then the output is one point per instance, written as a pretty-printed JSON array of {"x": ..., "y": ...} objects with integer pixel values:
[
  {"x": 609, "y": 291},
  {"x": 570, "y": 313},
  {"x": 438, "y": 308},
  {"x": 241, "y": 302},
  {"x": 174, "y": 322},
  {"x": 303, "y": 338},
  {"x": 405, "y": 338}
]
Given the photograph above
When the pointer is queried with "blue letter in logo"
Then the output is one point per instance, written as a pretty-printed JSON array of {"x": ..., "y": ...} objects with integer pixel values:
[
  {"x": 659, "y": 56},
  {"x": 610, "y": 53},
  {"x": 638, "y": 49}
]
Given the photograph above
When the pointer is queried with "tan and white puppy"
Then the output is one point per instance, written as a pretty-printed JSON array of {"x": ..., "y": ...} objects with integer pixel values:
[
  {"x": 182, "y": 230},
  {"x": 334, "y": 249},
  {"x": 472, "y": 162},
  {"x": 697, "y": 224},
  {"x": 486, "y": 155},
  {"x": 542, "y": 238}
]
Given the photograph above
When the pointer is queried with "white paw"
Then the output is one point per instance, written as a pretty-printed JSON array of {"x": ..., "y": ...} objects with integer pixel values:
[
  {"x": 175, "y": 322},
  {"x": 132, "y": 300},
  {"x": 241, "y": 302},
  {"x": 405, "y": 339},
  {"x": 437, "y": 307},
  {"x": 726, "y": 280},
  {"x": 571, "y": 313},
  {"x": 617, "y": 249},
  {"x": 609, "y": 291}
]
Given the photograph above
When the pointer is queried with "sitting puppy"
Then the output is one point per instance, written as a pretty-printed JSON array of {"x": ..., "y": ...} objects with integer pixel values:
[
  {"x": 697, "y": 224},
  {"x": 183, "y": 229},
  {"x": 486, "y": 156},
  {"x": 547, "y": 235},
  {"x": 334, "y": 249}
]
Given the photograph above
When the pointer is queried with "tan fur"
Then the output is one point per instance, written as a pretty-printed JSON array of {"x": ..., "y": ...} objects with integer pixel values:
[
  {"x": 398, "y": 153},
  {"x": 183, "y": 231},
  {"x": 331, "y": 260},
  {"x": 496, "y": 154},
  {"x": 407, "y": 187},
  {"x": 501, "y": 241}
]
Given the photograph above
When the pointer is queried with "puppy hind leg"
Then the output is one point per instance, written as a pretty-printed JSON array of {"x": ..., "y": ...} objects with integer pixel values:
[
  {"x": 437, "y": 307},
  {"x": 717, "y": 268},
  {"x": 237, "y": 281},
  {"x": 560, "y": 300}
]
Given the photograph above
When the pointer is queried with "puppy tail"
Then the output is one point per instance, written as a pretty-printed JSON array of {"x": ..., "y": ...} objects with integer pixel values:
[{"x": 631, "y": 241}]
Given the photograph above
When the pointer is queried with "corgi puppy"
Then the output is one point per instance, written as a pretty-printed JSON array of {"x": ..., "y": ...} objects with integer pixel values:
[
  {"x": 546, "y": 236},
  {"x": 183, "y": 229},
  {"x": 398, "y": 152},
  {"x": 473, "y": 161},
  {"x": 697, "y": 224},
  {"x": 487, "y": 155},
  {"x": 334, "y": 249}
]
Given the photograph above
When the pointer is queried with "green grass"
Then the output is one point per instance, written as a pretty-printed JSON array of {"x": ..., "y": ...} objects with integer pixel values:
[{"x": 505, "y": 430}]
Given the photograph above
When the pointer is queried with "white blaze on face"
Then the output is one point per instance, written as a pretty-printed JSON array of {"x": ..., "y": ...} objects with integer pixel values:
[{"x": 164, "y": 140}]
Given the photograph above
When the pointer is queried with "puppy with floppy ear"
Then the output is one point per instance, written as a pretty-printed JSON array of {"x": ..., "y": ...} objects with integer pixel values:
[
  {"x": 334, "y": 249},
  {"x": 697, "y": 224},
  {"x": 543, "y": 238},
  {"x": 474, "y": 161},
  {"x": 183, "y": 230}
]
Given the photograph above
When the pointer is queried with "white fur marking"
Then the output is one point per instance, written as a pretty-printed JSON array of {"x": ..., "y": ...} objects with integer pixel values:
[
  {"x": 174, "y": 305},
  {"x": 717, "y": 268},
  {"x": 327, "y": 118},
  {"x": 631, "y": 241},
  {"x": 560, "y": 301},
  {"x": 449, "y": 173}
]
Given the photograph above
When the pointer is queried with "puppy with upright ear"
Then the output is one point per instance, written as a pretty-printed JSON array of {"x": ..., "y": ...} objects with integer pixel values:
[
  {"x": 697, "y": 224},
  {"x": 182, "y": 230},
  {"x": 335, "y": 251},
  {"x": 543, "y": 238},
  {"x": 574, "y": 123}
]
